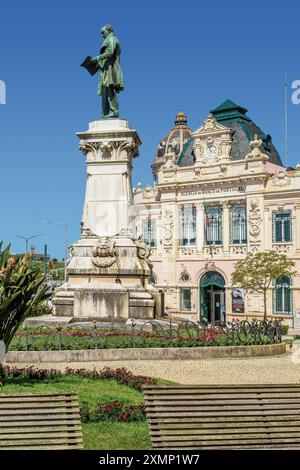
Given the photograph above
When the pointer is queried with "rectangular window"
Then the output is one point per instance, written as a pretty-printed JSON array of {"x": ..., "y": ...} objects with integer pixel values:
[
  {"x": 185, "y": 299},
  {"x": 213, "y": 226},
  {"x": 149, "y": 231},
  {"x": 238, "y": 225},
  {"x": 282, "y": 226},
  {"x": 188, "y": 225}
]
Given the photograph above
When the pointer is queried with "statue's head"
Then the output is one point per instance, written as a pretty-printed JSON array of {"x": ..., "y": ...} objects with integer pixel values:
[{"x": 106, "y": 30}]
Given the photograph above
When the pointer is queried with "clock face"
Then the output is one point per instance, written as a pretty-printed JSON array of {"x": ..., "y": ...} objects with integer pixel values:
[{"x": 211, "y": 150}]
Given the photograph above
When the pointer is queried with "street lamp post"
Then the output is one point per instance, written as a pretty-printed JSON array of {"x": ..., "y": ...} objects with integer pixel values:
[
  {"x": 66, "y": 241},
  {"x": 27, "y": 239}
]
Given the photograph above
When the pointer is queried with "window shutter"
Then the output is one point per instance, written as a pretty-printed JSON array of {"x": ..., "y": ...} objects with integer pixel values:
[
  {"x": 278, "y": 237},
  {"x": 145, "y": 230},
  {"x": 153, "y": 232}
]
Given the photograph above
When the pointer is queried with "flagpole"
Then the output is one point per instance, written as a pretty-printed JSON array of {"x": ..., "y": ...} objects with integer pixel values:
[{"x": 286, "y": 119}]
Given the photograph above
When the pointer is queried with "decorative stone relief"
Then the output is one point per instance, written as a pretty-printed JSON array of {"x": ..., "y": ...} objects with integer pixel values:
[
  {"x": 200, "y": 169},
  {"x": 254, "y": 248},
  {"x": 198, "y": 149},
  {"x": 212, "y": 145},
  {"x": 170, "y": 161},
  {"x": 213, "y": 250},
  {"x": 187, "y": 251},
  {"x": 255, "y": 219},
  {"x": 109, "y": 150},
  {"x": 148, "y": 192},
  {"x": 125, "y": 233},
  {"x": 144, "y": 251},
  {"x": 210, "y": 124},
  {"x": 210, "y": 266},
  {"x": 104, "y": 254},
  {"x": 238, "y": 250},
  {"x": 167, "y": 230},
  {"x": 185, "y": 276},
  {"x": 256, "y": 153},
  {"x": 281, "y": 179},
  {"x": 86, "y": 232},
  {"x": 283, "y": 247}
]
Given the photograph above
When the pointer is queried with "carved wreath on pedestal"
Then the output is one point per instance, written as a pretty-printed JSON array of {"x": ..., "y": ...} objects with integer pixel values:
[{"x": 104, "y": 254}]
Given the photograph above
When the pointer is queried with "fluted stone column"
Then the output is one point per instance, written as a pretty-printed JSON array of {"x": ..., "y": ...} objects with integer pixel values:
[{"x": 109, "y": 146}]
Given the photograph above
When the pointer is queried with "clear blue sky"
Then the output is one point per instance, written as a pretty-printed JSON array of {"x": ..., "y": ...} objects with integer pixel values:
[{"x": 188, "y": 55}]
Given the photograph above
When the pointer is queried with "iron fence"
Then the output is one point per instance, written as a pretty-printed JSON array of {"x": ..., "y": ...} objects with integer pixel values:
[{"x": 151, "y": 333}]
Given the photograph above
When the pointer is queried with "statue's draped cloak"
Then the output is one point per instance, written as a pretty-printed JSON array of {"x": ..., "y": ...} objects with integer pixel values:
[{"x": 109, "y": 64}]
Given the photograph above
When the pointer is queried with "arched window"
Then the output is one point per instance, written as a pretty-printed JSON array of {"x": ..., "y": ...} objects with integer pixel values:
[{"x": 283, "y": 296}]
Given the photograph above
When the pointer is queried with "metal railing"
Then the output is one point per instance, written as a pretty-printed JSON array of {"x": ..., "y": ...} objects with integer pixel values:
[{"x": 151, "y": 333}]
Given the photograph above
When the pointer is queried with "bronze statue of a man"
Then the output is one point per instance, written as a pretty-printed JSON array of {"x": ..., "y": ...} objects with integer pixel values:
[{"x": 111, "y": 77}]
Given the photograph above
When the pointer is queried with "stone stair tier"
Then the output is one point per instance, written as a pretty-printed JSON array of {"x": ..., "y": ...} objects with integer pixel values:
[{"x": 141, "y": 305}]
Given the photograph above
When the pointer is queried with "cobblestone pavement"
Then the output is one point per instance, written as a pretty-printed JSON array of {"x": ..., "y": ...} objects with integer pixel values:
[{"x": 276, "y": 369}]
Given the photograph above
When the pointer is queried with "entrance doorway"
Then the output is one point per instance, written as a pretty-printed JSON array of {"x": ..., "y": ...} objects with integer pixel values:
[{"x": 212, "y": 298}]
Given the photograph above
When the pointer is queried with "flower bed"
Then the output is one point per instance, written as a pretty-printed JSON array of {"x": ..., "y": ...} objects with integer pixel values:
[
  {"x": 113, "y": 411},
  {"x": 110, "y": 400},
  {"x": 121, "y": 375},
  {"x": 172, "y": 334}
]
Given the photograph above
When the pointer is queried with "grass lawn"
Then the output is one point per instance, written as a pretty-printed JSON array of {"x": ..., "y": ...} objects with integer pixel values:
[
  {"x": 120, "y": 436},
  {"x": 103, "y": 435}
]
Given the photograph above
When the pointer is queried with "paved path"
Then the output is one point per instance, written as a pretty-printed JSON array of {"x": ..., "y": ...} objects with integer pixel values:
[{"x": 277, "y": 369}]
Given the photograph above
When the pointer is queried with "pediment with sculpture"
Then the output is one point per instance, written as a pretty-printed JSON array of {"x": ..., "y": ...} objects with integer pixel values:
[{"x": 212, "y": 143}]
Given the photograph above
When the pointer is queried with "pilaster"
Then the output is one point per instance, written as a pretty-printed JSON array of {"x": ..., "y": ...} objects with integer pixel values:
[{"x": 226, "y": 228}]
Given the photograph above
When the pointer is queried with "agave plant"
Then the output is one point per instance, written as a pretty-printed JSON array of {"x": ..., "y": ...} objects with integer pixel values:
[{"x": 21, "y": 289}]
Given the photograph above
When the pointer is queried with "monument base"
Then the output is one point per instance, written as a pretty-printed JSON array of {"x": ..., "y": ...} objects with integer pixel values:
[{"x": 108, "y": 281}]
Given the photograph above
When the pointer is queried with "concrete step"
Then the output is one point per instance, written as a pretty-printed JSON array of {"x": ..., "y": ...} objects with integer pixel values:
[
  {"x": 47, "y": 320},
  {"x": 140, "y": 295},
  {"x": 141, "y": 302}
]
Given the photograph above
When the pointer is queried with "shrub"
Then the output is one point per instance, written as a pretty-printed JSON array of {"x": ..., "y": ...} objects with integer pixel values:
[
  {"x": 39, "y": 309},
  {"x": 21, "y": 289},
  {"x": 284, "y": 329},
  {"x": 112, "y": 411}
]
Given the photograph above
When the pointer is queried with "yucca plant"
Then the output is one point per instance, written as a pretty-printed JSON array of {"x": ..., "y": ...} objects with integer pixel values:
[{"x": 21, "y": 289}]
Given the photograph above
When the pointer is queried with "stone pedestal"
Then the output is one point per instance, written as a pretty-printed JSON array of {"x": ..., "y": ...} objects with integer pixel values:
[{"x": 109, "y": 269}]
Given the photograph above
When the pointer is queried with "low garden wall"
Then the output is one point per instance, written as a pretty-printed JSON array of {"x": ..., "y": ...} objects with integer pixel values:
[{"x": 133, "y": 354}]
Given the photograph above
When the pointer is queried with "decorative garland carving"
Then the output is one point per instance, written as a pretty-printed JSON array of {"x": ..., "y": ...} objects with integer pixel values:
[{"x": 104, "y": 254}]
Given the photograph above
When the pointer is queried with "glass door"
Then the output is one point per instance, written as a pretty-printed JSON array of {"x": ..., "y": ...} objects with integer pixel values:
[{"x": 218, "y": 306}]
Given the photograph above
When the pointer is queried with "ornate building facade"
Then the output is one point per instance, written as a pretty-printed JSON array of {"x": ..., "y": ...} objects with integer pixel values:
[{"x": 219, "y": 193}]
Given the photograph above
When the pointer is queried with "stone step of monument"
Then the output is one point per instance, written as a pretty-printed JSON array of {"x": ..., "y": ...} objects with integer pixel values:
[
  {"x": 47, "y": 320},
  {"x": 140, "y": 295},
  {"x": 141, "y": 302}
]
